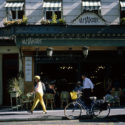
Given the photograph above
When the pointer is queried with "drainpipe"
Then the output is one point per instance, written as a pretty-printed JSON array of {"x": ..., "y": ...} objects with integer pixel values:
[
  {"x": 21, "y": 69},
  {"x": 1, "y": 82}
]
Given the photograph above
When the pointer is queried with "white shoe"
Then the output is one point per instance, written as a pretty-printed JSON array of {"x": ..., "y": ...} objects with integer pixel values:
[{"x": 44, "y": 112}]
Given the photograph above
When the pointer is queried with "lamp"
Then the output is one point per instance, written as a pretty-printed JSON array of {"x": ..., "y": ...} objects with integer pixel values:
[
  {"x": 85, "y": 51},
  {"x": 49, "y": 51}
]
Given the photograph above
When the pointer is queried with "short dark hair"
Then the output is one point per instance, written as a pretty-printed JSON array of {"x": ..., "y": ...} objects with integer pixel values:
[{"x": 83, "y": 74}]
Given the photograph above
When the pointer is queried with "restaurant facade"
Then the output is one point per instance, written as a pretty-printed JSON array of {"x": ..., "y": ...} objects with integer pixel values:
[{"x": 59, "y": 40}]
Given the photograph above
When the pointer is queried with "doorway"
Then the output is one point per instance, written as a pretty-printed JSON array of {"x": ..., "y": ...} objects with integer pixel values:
[{"x": 10, "y": 70}]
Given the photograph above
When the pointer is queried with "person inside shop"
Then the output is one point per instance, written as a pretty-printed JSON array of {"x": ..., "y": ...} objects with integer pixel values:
[
  {"x": 78, "y": 88},
  {"x": 38, "y": 90},
  {"x": 87, "y": 90},
  {"x": 116, "y": 84},
  {"x": 108, "y": 86},
  {"x": 53, "y": 90}
]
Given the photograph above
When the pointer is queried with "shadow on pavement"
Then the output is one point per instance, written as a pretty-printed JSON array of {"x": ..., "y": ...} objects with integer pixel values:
[{"x": 114, "y": 118}]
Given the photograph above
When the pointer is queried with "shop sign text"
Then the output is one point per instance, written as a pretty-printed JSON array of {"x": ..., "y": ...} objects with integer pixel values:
[{"x": 89, "y": 20}]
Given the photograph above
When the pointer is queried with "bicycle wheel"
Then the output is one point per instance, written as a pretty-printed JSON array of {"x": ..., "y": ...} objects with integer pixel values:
[
  {"x": 73, "y": 110},
  {"x": 99, "y": 112}
]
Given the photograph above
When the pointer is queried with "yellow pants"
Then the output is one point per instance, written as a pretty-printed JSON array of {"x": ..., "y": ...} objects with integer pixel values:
[{"x": 38, "y": 97}]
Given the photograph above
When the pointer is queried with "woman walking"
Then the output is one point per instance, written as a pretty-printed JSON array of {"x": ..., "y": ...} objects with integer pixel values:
[{"x": 38, "y": 95}]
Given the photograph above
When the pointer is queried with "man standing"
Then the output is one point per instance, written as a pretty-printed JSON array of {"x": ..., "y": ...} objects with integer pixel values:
[{"x": 87, "y": 89}]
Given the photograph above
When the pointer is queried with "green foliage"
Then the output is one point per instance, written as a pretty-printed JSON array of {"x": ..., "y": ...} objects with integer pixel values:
[
  {"x": 24, "y": 20},
  {"x": 61, "y": 21},
  {"x": 16, "y": 22},
  {"x": 16, "y": 85},
  {"x": 122, "y": 21},
  {"x": 54, "y": 19},
  {"x": 44, "y": 22}
]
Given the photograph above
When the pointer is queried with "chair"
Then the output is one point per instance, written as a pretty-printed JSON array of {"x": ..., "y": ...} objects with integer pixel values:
[
  {"x": 17, "y": 98},
  {"x": 27, "y": 100},
  {"x": 49, "y": 100},
  {"x": 64, "y": 98},
  {"x": 116, "y": 97}
]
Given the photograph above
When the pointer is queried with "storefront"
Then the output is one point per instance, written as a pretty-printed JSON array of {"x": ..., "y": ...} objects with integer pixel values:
[
  {"x": 105, "y": 45},
  {"x": 105, "y": 57}
]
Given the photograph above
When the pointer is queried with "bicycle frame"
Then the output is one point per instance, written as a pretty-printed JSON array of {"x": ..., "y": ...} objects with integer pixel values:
[{"x": 83, "y": 106}]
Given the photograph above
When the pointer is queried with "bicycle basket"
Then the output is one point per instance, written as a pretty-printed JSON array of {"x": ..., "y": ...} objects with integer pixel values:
[{"x": 73, "y": 95}]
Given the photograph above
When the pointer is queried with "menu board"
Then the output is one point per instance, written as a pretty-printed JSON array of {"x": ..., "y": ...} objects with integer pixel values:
[{"x": 28, "y": 69}]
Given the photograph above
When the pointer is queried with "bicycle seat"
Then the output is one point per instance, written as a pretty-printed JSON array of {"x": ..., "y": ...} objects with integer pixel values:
[{"x": 93, "y": 98}]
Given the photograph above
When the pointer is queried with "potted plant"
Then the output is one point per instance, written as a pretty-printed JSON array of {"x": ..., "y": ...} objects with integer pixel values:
[
  {"x": 122, "y": 21},
  {"x": 22, "y": 21},
  {"x": 14, "y": 88},
  {"x": 54, "y": 19},
  {"x": 45, "y": 22},
  {"x": 61, "y": 21}
]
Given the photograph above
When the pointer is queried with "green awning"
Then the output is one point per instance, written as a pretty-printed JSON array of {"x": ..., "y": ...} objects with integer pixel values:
[
  {"x": 52, "y": 5},
  {"x": 122, "y": 4},
  {"x": 90, "y": 5},
  {"x": 15, "y": 5}
]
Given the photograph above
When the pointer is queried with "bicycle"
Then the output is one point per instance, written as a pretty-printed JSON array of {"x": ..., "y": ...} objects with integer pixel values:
[{"x": 75, "y": 109}]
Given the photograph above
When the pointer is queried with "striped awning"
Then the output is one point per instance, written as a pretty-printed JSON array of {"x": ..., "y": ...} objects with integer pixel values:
[
  {"x": 52, "y": 5},
  {"x": 90, "y": 5},
  {"x": 122, "y": 4},
  {"x": 15, "y": 5}
]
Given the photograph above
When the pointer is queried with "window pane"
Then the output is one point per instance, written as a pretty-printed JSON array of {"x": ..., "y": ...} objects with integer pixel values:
[
  {"x": 13, "y": 14},
  {"x": 122, "y": 14},
  {"x": 20, "y": 14},
  {"x": 58, "y": 13},
  {"x": 49, "y": 15}
]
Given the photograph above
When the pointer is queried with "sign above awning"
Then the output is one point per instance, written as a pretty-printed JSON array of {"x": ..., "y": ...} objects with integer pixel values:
[
  {"x": 51, "y": 5},
  {"x": 122, "y": 4},
  {"x": 15, "y": 5},
  {"x": 90, "y": 5}
]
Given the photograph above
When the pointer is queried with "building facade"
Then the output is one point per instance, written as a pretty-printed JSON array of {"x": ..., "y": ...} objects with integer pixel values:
[{"x": 30, "y": 27}]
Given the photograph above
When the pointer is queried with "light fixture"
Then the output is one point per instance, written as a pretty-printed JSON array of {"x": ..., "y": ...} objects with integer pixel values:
[
  {"x": 49, "y": 51},
  {"x": 85, "y": 51}
]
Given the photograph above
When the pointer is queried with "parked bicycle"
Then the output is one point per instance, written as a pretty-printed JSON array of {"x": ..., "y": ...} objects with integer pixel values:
[{"x": 98, "y": 108}]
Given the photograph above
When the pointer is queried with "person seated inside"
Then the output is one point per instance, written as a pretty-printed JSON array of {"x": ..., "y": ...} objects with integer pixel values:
[
  {"x": 51, "y": 89},
  {"x": 78, "y": 87}
]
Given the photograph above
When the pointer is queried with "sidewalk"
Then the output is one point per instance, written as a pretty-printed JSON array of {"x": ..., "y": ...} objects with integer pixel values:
[
  {"x": 37, "y": 115},
  {"x": 25, "y": 116}
]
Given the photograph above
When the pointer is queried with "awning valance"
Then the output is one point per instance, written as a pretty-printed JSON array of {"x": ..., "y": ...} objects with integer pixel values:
[
  {"x": 52, "y": 5},
  {"x": 122, "y": 4},
  {"x": 15, "y": 5},
  {"x": 90, "y": 5}
]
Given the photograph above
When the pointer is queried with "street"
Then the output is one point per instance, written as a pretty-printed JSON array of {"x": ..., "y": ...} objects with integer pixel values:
[
  {"x": 56, "y": 117},
  {"x": 61, "y": 122}
]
